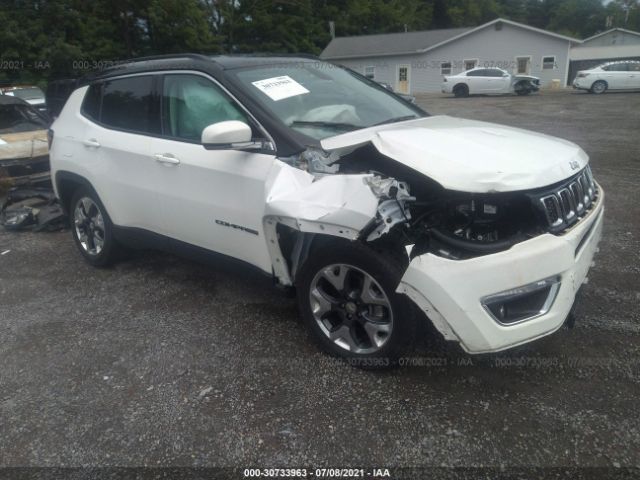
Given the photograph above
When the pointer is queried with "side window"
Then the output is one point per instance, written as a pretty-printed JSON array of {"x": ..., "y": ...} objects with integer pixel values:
[
  {"x": 616, "y": 67},
  {"x": 190, "y": 103},
  {"x": 128, "y": 104},
  {"x": 477, "y": 73},
  {"x": 91, "y": 103},
  {"x": 493, "y": 72}
]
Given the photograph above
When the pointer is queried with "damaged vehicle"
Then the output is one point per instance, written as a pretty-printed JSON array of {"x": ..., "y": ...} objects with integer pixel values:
[
  {"x": 489, "y": 81},
  {"x": 24, "y": 152},
  {"x": 379, "y": 215}
]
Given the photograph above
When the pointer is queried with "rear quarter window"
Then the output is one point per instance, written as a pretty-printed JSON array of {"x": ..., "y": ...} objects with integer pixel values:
[{"x": 91, "y": 103}]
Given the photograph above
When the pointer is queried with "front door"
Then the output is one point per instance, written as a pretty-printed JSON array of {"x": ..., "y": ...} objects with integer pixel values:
[
  {"x": 523, "y": 65},
  {"x": 617, "y": 75},
  {"x": 402, "y": 85},
  {"x": 633, "y": 78},
  {"x": 213, "y": 199}
]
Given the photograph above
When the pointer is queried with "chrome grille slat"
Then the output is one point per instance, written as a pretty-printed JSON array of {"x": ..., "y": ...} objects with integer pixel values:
[{"x": 569, "y": 202}]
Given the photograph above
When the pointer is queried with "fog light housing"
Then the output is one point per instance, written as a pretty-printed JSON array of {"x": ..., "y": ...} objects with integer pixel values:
[{"x": 522, "y": 303}]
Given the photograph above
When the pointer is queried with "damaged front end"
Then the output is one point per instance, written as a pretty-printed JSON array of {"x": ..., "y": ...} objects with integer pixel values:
[{"x": 360, "y": 194}]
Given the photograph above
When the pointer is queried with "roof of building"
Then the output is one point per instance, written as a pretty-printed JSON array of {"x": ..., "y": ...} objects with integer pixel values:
[
  {"x": 412, "y": 42},
  {"x": 611, "y": 30},
  {"x": 388, "y": 43},
  {"x": 605, "y": 52}
]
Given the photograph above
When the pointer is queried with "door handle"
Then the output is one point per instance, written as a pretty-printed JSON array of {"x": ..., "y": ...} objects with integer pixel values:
[
  {"x": 91, "y": 143},
  {"x": 166, "y": 158}
]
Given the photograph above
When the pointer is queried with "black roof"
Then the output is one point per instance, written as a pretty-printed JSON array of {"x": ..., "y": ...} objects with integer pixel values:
[{"x": 209, "y": 63}]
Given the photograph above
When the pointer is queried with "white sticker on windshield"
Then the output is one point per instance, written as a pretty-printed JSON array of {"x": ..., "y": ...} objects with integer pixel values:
[
  {"x": 278, "y": 88},
  {"x": 2, "y": 142}
]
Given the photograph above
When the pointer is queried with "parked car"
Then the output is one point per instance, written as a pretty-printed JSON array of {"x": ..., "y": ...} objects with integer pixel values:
[
  {"x": 493, "y": 81},
  {"x": 622, "y": 75},
  {"x": 58, "y": 92},
  {"x": 404, "y": 96},
  {"x": 24, "y": 153},
  {"x": 29, "y": 93},
  {"x": 378, "y": 214}
]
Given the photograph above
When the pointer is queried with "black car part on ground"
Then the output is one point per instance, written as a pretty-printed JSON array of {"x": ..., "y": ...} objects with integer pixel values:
[{"x": 36, "y": 209}]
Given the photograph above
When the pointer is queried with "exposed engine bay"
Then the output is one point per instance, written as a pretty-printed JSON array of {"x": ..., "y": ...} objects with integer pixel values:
[{"x": 415, "y": 210}]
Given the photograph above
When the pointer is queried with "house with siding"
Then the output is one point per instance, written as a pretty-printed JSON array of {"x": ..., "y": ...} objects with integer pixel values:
[
  {"x": 415, "y": 62},
  {"x": 609, "y": 46}
]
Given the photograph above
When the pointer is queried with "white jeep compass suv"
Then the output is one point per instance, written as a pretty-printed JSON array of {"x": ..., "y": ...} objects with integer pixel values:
[{"x": 379, "y": 215}]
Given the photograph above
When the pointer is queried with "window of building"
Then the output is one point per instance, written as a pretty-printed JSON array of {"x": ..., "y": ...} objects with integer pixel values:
[
  {"x": 370, "y": 72},
  {"x": 549, "y": 63},
  {"x": 469, "y": 64},
  {"x": 445, "y": 68}
]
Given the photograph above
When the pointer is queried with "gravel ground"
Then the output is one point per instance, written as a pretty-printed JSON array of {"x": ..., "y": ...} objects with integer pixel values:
[{"x": 163, "y": 362}]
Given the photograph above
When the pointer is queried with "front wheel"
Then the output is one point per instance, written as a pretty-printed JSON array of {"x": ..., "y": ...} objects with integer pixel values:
[
  {"x": 599, "y": 87},
  {"x": 347, "y": 298}
]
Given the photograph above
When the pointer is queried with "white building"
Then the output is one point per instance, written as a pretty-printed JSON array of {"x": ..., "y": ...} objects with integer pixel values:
[{"x": 415, "y": 62}]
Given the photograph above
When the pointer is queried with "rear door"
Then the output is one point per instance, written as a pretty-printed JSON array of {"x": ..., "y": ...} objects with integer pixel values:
[{"x": 117, "y": 140}]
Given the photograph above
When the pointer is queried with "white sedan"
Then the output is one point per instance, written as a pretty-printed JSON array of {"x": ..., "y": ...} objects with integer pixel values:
[
  {"x": 489, "y": 81},
  {"x": 609, "y": 76}
]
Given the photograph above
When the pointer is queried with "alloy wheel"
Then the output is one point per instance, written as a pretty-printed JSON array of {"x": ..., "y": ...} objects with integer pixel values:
[
  {"x": 351, "y": 308},
  {"x": 89, "y": 226}
]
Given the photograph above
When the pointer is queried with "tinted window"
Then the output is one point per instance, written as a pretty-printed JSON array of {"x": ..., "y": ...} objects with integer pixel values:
[
  {"x": 634, "y": 67},
  {"x": 128, "y": 104},
  {"x": 191, "y": 103},
  {"x": 476, "y": 73},
  {"x": 616, "y": 67},
  {"x": 493, "y": 72},
  {"x": 91, "y": 102}
]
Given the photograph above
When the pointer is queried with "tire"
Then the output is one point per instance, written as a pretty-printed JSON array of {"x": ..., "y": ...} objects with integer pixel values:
[
  {"x": 461, "y": 91},
  {"x": 366, "y": 322},
  {"x": 521, "y": 89},
  {"x": 92, "y": 229},
  {"x": 599, "y": 87}
]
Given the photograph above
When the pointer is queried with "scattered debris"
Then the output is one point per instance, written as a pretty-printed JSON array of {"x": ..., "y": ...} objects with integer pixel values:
[
  {"x": 204, "y": 393},
  {"x": 32, "y": 208}
]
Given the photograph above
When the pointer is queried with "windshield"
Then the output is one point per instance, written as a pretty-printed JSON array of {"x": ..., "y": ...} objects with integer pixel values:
[
  {"x": 19, "y": 118},
  {"x": 30, "y": 93},
  {"x": 321, "y": 100}
]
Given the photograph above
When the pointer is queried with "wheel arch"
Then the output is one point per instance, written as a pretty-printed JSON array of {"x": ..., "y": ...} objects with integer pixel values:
[
  {"x": 66, "y": 184},
  {"x": 460, "y": 85}
]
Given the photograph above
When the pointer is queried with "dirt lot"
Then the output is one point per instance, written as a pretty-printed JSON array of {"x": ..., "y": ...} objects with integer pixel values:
[{"x": 164, "y": 362}]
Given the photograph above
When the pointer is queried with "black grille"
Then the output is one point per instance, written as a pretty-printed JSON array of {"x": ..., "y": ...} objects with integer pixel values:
[{"x": 566, "y": 204}]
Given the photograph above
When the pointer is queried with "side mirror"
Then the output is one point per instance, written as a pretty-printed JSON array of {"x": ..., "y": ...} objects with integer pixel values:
[{"x": 228, "y": 135}]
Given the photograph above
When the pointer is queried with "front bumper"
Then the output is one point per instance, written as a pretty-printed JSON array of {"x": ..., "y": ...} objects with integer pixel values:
[
  {"x": 450, "y": 291},
  {"x": 581, "y": 84}
]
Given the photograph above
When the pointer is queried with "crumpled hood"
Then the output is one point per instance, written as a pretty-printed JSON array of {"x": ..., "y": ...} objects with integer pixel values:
[{"x": 468, "y": 155}]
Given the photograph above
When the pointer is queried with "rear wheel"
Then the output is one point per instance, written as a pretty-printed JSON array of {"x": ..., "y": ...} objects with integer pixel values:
[
  {"x": 346, "y": 294},
  {"x": 461, "y": 91},
  {"x": 599, "y": 87},
  {"x": 92, "y": 229}
]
